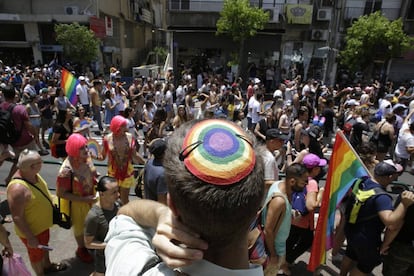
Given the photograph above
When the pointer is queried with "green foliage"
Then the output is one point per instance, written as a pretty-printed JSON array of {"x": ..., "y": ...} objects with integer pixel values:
[
  {"x": 161, "y": 53},
  {"x": 79, "y": 43},
  {"x": 240, "y": 20},
  {"x": 373, "y": 37},
  {"x": 157, "y": 56}
]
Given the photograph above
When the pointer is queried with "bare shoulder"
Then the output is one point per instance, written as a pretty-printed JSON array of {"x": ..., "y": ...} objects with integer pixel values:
[{"x": 277, "y": 201}]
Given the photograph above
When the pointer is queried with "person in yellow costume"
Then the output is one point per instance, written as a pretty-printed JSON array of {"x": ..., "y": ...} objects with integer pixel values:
[
  {"x": 120, "y": 148},
  {"x": 28, "y": 196},
  {"x": 75, "y": 186}
]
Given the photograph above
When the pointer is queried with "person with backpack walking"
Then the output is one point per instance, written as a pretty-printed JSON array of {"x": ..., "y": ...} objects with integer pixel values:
[
  {"x": 365, "y": 222},
  {"x": 16, "y": 130}
]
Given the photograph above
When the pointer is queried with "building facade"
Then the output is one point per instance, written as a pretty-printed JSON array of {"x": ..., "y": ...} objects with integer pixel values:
[
  {"x": 302, "y": 36},
  {"x": 125, "y": 29}
]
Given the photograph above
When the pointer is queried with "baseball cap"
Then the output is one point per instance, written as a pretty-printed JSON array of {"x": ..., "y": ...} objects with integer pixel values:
[
  {"x": 312, "y": 160},
  {"x": 278, "y": 94},
  {"x": 157, "y": 147},
  {"x": 273, "y": 133},
  {"x": 399, "y": 106},
  {"x": 256, "y": 80},
  {"x": 81, "y": 78},
  {"x": 387, "y": 167},
  {"x": 44, "y": 90}
]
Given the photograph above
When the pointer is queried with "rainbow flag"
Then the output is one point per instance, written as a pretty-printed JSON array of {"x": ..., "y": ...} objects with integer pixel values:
[
  {"x": 68, "y": 82},
  {"x": 344, "y": 167}
]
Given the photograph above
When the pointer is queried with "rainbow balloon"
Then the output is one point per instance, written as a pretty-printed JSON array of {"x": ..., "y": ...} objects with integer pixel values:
[{"x": 94, "y": 148}]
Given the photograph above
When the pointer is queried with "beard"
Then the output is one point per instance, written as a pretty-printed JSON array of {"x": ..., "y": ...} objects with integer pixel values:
[{"x": 297, "y": 188}]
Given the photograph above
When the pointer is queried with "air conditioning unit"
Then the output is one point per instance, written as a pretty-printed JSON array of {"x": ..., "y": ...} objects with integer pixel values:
[
  {"x": 273, "y": 15},
  {"x": 72, "y": 10},
  {"x": 324, "y": 14},
  {"x": 319, "y": 35}
]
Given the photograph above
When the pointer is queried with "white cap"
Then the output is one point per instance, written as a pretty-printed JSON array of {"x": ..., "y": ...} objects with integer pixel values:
[
  {"x": 256, "y": 80},
  {"x": 278, "y": 93},
  {"x": 81, "y": 78},
  {"x": 352, "y": 102}
]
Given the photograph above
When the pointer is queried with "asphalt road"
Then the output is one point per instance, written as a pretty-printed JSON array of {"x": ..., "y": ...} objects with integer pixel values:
[{"x": 64, "y": 245}]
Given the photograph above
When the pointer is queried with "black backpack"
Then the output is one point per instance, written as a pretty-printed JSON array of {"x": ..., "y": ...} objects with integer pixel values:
[
  {"x": 357, "y": 199},
  {"x": 8, "y": 132}
]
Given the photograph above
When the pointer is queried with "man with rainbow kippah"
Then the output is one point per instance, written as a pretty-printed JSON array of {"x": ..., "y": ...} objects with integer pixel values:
[{"x": 216, "y": 186}]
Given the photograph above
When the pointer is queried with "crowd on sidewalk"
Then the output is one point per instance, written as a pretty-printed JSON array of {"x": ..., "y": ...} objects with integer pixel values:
[{"x": 288, "y": 134}]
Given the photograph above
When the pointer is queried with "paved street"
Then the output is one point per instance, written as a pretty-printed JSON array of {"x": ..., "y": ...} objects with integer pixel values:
[{"x": 64, "y": 244}]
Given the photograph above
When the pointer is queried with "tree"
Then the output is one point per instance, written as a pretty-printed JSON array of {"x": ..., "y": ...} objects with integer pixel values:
[
  {"x": 373, "y": 38},
  {"x": 79, "y": 43},
  {"x": 241, "y": 21}
]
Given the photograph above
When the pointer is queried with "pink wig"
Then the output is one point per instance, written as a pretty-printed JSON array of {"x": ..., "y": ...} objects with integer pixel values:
[
  {"x": 116, "y": 123},
  {"x": 74, "y": 143}
]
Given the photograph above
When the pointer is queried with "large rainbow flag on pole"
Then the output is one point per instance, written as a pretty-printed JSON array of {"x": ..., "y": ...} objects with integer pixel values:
[
  {"x": 344, "y": 167},
  {"x": 68, "y": 82}
]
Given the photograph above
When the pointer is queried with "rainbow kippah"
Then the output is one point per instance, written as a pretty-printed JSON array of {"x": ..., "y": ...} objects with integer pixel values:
[{"x": 217, "y": 152}]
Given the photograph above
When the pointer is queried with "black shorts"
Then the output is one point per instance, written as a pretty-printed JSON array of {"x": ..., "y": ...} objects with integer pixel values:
[{"x": 367, "y": 257}]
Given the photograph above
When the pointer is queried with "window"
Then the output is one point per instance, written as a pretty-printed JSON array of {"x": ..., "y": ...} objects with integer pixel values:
[
  {"x": 372, "y": 6},
  {"x": 410, "y": 12}
]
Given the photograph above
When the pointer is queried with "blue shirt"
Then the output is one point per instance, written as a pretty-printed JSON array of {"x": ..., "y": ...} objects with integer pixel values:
[
  {"x": 154, "y": 182},
  {"x": 369, "y": 231}
]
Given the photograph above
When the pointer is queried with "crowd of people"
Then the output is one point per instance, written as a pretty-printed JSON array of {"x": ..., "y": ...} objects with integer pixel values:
[{"x": 186, "y": 131}]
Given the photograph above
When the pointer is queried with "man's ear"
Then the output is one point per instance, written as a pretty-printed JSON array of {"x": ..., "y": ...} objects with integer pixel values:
[{"x": 170, "y": 204}]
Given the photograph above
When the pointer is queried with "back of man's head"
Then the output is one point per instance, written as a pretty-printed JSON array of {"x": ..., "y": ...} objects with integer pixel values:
[
  {"x": 9, "y": 92},
  {"x": 295, "y": 170},
  {"x": 215, "y": 179}
]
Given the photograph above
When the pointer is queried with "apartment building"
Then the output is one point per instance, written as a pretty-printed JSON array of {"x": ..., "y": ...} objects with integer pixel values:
[
  {"x": 301, "y": 37},
  {"x": 125, "y": 29}
]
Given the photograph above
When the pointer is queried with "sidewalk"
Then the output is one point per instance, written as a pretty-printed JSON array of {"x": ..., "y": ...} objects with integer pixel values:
[{"x": 63, "y": 244}]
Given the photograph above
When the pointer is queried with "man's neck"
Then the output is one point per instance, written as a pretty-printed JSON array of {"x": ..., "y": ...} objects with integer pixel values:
[
  {"x": 231, "y": 257},
  {"x": 106, "y": 205},
  {"x": 30, "y": 178}
]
